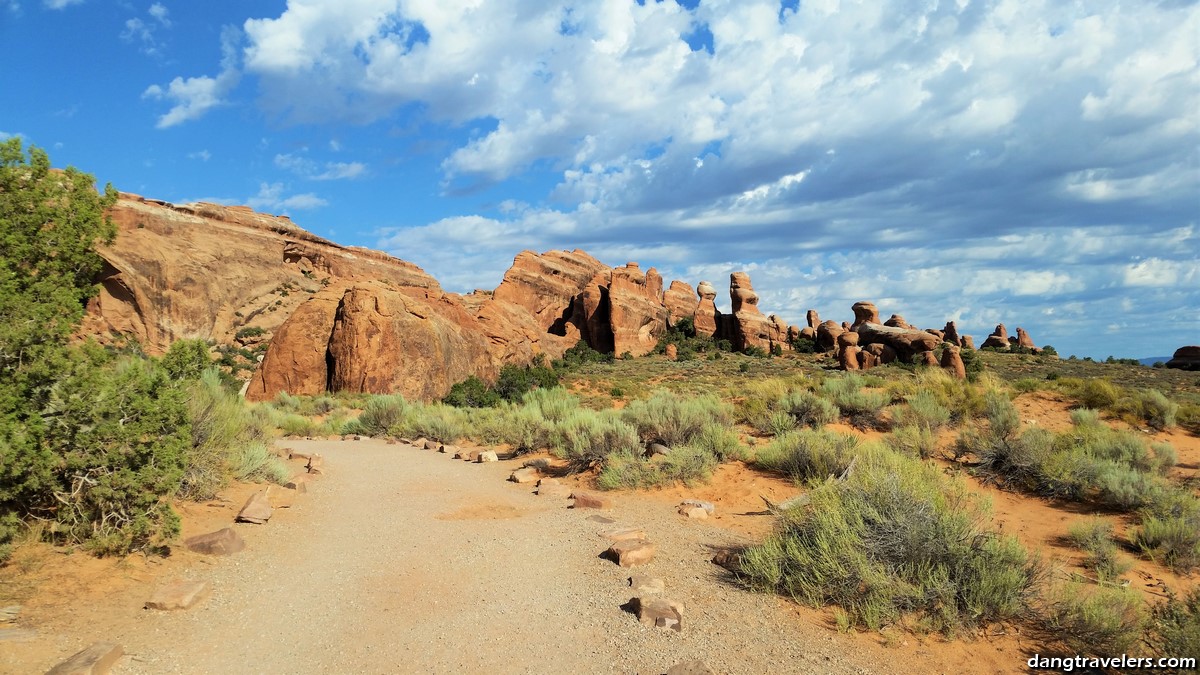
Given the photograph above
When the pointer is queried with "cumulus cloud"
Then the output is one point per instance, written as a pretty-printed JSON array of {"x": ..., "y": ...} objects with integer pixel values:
[
  {"x": 60, "y": 4},
  {"x": 192, "y": 97},
  {"x": 271, "y": 197},
  {"x": 999, "y": 157}
]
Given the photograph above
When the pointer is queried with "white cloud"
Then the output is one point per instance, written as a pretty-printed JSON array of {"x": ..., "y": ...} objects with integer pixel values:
[
  {"x": 312, "y": 170},
  {"x": 202, "y": 155},
  {"x": 60, "y": 4},
  {"x": 271, "y": 198},
  {"x": 194, "y": 96},
  {"x": 160, "y": 14}
]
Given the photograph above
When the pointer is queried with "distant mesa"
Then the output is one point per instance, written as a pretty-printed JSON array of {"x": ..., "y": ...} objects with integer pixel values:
[{"x": 1186, "y": 358}]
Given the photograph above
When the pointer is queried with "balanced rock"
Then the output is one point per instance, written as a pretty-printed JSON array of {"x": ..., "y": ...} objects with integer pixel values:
[
  {"x": 707, "y": 318},
  {"x": 750, "y": 327},
  {"x": 864, "y": 312}
]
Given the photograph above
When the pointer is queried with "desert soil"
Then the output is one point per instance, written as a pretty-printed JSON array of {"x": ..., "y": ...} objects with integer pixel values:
[{"x": 402, "y": 560}]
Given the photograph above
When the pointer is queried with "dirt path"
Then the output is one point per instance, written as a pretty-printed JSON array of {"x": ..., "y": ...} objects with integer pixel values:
[{"x": 401, "y": 560}]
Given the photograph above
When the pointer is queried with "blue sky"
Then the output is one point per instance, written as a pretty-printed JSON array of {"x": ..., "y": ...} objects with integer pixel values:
[{"x": 1031, "y": 162}]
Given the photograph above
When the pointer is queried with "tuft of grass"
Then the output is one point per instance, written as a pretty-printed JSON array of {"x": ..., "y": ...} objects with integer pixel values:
[
  {"x": 673, "y": 420},
  {"x": 924, "y": 411},
  {"x": 1098, "y": 621},
  {"x": 861, "y": 408},
  {"x": 1095, "y": 537},
  {"x": 380, "y": 414},
  {"x": 221, "y": 427},
  {"x": 587, "y": 439},
  {"x": 256, "y": 462},
  {"x": 914, "y": 441},
  {"x": 808, "y": 455},
  {"x": 896, "y": 538},
  {"x": 1175, "y": 625}
]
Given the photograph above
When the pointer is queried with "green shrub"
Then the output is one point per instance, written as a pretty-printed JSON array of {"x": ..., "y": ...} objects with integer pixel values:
[
  {"x": 1096, "y": 393},
  {"x": 1095, "y": 537},
  {"x": 895, "y": 538},
  {"x": 555, "y": 404},
  {"x": 299, "y": 425},
  {"x": 579, "y": 355},
  {"x": 1097, "y": 622},
  {"x": 220, "y": 426},
  {"x": 586, "y": 439},
  {"x": 380, "y": 414},
  {"x": 807, "y": 454},
  {"x": 249, "y": 331},
  {"x": 924, "y": 411},
  {"x": 914, "y": 441},
  {"x": 1175, "y": 625},
  {"x": 1165, "y": 458},
  {"x": 256, "y": 462},
  {"x": 187, "y": 359},
  {"x": 672, "y": 419},
  {"x": 1173, "y": 540},
  {"x": 515, "y": 381},
  {"x": 472, "y": 393},
  {"x": 861, "y": 408},
  {"x": 287, "y": 403},
  {"x": 808, "y": 409},
  {"x": 1149, "y": 406},
  {"x": 433, "y": 420},
  {"x": 120, "y": 430},
  {"x": 628, "y": 470}
]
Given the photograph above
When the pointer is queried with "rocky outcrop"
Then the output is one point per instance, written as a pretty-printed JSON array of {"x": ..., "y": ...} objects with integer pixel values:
[
  {"x": 906, "y": 342},
  {"x": 1023, "y": 340},
  {"x": 297, "y": 357},
  {"x": 1186, "y": 358},
  {"x": 707, "y": 317},
  {"x": 827, "y": 335},
  {"x": 952, "y": 362},
  {"x": 864, "y": 312},
  {"x": 998, "y": 339},
  {"x": 950, "y": 334},
  {"x": 813, "y": 319},
  {"x": 206, "y": 271},
  {"x": 636, "y": 311},
  {"x": 750, "y": 328},
  {"x": 547, "y": 284},
  {"x": 681, "y": 301},
  {"x": 897, "y": 321}
]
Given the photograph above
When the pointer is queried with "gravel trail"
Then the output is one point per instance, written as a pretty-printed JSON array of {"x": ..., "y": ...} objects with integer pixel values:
[{"x": 402, "y": 560}]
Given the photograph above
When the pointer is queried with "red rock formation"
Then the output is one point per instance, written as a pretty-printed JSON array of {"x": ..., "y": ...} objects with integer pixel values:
[
  {"x": 950, "y": 334},
  {"x": 295, "y": 361},
  {"x": 750, "y": 328},
  {"x": 813, "y": 319},
  {"x": 864, "y": 312},
  {"x": 906, "y": 342},
  {"x": 707, "y": 317},
  {"x": 968, "y": 342},
  {"x": 827, "y": 334},
  {"x": 636, "y": 311},
  {"x": 1185, "y": 358},
  {"x": 897, "y": 321},
  {"x": 952, "y": 362},
  {"x": 1023, "y": 340},
  {"x": 545, "y": 285},
  {"x": 681, "y": 301},
  {"x": 848, "y": 357},
  {"x": 998, "y": 339},
  {"x": 206, "y": 271}
]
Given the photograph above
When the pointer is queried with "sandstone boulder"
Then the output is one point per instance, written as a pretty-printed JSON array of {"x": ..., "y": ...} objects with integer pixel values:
[
  {"x": 882, "y": 353},
  {"x": 998, "y": 339},
  {"x": 672, "y": 352},
  {"x": 897, "y": 321},
  {"x": 222, "y": 542},
  {"x": 658, "y": 612},
  {"x": 528, "y": 474},
  {"x": 180, "y": 594},
  {"x": 257, "y": 509},
  {"x": 848, "y": 357},
  {"x": 926, "y": 358},
  {"x": 693, "y": 667},
  {"x": 488, "y": 456},
  {"x": 632, "y": 552},
  {"x": 813, "y": 319},
  {"x": 590, "y": 500},
  {"x": 864, "y": 312},
  {"x": 645, "y": 585},
  {"x": 750, "y": 327},
  {"x": 553, "y": 487},
  {"x": 625, "y": 534},
  {"x": 97, "y": 659},
  {"x": 827, "y": 334},
  {"x": 968, "y": 342},
  {"x": 952, "y": 362},
  {"x": 906, "y": 342},
  {"x": 1023, "y": 340}
]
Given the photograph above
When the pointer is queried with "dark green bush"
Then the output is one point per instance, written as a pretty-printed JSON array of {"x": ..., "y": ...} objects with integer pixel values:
[
  {"x": 515, "y": 381},
  {"x": 187, "y": 359},
  {"x": 472, "y": 393},
  {"x": 1175, "y": 625}
]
